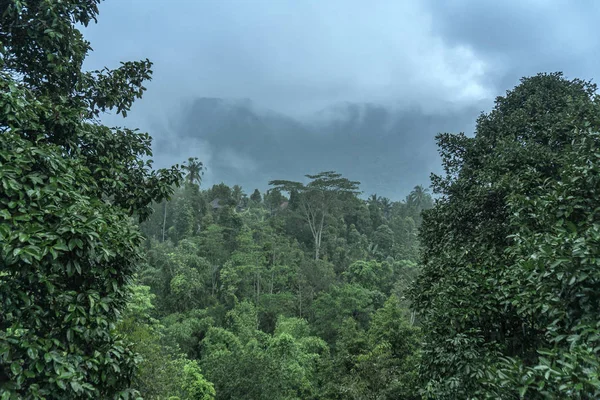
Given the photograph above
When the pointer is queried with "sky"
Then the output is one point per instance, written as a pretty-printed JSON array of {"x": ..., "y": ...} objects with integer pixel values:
[{"x": 305, "y": 60}]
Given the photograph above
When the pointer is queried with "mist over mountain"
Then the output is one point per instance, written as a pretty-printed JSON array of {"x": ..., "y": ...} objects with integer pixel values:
[
  {"x": 389, "y": 149},
  {"x": 445, "y": 58}
]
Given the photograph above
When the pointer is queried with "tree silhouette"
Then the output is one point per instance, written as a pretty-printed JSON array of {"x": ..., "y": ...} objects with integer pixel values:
[
  {"x": 318, "y": 199},
  {"x": 373, "y": 199},
  {"x": 195, "y": 170},
  {"x": 386, "y": 206},
  {"x": 419, "y": 198}
]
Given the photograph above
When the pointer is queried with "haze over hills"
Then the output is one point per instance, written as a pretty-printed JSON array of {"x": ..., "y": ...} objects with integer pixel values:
[{"x": 388, "y": 149}]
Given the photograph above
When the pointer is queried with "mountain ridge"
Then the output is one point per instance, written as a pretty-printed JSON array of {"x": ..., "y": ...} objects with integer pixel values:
[{"x": 391, "y": 148}]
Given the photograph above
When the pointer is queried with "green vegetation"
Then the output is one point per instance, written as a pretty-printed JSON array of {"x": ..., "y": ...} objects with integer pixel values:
[
  {"x": 70, "y": 187},
  {"x": 508, "y": 293},
  {"x": 118, "y": 281},
  {"x": 244, "y": 290}
]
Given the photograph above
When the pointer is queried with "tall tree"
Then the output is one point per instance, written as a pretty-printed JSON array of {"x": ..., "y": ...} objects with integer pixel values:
[
  {"x": 69, "y": 189},
  {"x": 386, "y": 207},
  {"x": 419, "y": 198},
  {"x": 195, "y": 170},
  {"x": 480, "y": 293},
  {"x": 319, "y": 199},
  {"x": 237, "y": 193},
  {"x": 373, "y": 199},
  {"x": 256, "y": 196}
]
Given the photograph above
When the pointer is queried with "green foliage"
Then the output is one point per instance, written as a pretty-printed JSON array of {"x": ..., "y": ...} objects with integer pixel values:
[
  {"x": 234, "y": 293},
  {"x": 555, "y": 250},
  {"x": 371, "y": 275},
  {"x": 195, "y": 170},
  {"x": 506, "y": 292},
  {"x": 339, "y": 303},
  {"x": 388, "y": 366},
  {"x": 378, "y": 363},
  {"x": 79, "y": 252},
  {"x": 256, "y": 196},
  {"x": 318, "y": 199},
  {"x": 69, "y": 187},
  {"x": 195, "y": 387},
  {"x": 162, "y": 370},
  {"x": 238, "y": 285},
  {"x": 245, "y": 363}
]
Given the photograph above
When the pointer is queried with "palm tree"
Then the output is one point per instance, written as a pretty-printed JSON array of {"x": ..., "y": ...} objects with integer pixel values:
[
  {"x": 237, "y": 193},
  {"x": 373, "y": 199},
  {"x": 386, "y": 206},
  {"x": 195, "y": 170},
  {"x": 419, "y": 197}
]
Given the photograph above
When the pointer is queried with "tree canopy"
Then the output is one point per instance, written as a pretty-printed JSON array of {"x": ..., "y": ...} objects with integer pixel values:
[
  {"x": 318, "y": 199},
  {"x": 118, "y": 283},
  {"x": 68, "y": 246},
  {"x": 491, "y": 248}
]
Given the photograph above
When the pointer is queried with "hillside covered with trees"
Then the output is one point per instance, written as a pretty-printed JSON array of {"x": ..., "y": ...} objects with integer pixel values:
[{"x": 119, "y": 281}]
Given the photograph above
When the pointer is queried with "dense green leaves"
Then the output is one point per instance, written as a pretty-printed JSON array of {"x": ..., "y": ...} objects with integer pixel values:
[
  {"x": 245, "y": 363},
  {"x": 65, "y": 243},
  {"x": 68, "y": 247},
  {"x": 300, "y": 292},
  {"x": 507, "y": 287},
  {"x": 319, "y": 200},
  {"x": 244, "y": 295}
]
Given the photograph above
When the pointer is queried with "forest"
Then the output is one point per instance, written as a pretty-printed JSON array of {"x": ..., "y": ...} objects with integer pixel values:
[{"x": 121, "y": 281}]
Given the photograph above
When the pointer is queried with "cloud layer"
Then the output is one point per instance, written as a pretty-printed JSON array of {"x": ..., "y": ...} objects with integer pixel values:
[{"x": 446, "y": 59}]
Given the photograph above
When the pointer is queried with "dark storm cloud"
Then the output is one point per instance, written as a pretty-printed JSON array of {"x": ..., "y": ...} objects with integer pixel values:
[
  {"x": 424, "y": 67},
  {"x": 521, "y": 38},
  {"x": 289, "y": 55}
]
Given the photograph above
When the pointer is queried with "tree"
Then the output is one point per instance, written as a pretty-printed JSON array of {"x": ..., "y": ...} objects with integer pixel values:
[
  {"x": 388, "y": 365},
  {"x": 162, "y": 371},
  {"x": 195, "y": 170},
  {"x": 245, "y": 363},
  {"x": 384, "y": 239},
  {"x": 222, "y": 192},
  {"x": 319, "y": 199},
  {"x": 256, "y": 196},
  {"x": 373, "y": 199},
  {"x": 340, "y": 302},
  {"x": 212, "y": 247},
  {"x": 371, "y": 275},
  {"x": 69, "y": 189},
  {"x": 419, "y": 198},
  {"x": 243, "y": 275},
  {"x": 273, "y": 200},
  {"x": 237, "y": 193},
  {"x": 553, "y": 282},
  {"x": 386, "y": 207},
  {"x": 378, "y": 363},
  {"x": 493, "y": 287}
]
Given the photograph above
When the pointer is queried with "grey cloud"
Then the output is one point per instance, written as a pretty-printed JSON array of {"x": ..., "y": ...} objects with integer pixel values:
[
  {"x": 518, "y": 38},
  {"x": 359, "y": 87},
  {"x": 389, "y": 150},
  {"x": 289, "y": 55}
]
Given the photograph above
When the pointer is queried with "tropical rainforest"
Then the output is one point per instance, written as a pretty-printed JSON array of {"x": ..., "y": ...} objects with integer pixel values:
[{"x": 121, "y": 281}]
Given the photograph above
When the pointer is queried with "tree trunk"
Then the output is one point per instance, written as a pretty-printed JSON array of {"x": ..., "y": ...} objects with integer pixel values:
[
  {"x": 164, "y": 222},
  {"x": 318, "y": 236}
]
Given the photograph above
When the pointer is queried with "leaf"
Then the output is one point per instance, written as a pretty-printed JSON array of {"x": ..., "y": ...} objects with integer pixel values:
[
  {"x": 16, "y": 368},
  {"x": 61, "y": 246},
  {"x": 32, "y": 353}
]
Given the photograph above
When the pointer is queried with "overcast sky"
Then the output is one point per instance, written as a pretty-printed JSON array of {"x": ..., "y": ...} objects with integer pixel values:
[{"x": 299, "y": 56}]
